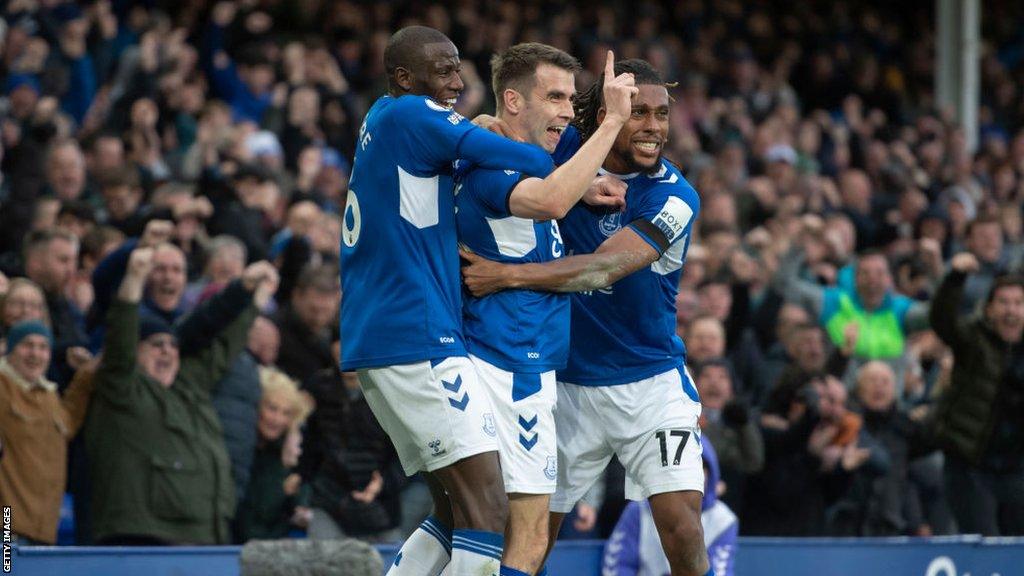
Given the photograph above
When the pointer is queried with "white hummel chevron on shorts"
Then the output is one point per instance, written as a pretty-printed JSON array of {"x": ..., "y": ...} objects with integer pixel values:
[
  {"x": 523, "y": 411},
  {"x": 435, "y": 412}
]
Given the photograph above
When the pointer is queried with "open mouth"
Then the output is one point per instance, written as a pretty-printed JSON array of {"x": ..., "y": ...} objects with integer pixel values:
[
  {"x": 450, "y": 102},
  {"x": 647, "y": 147},
  {"x": 556, "y": 130}
]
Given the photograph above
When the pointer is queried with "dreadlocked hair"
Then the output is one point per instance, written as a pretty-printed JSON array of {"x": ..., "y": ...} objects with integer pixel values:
[{"x": 589, "y": 101}]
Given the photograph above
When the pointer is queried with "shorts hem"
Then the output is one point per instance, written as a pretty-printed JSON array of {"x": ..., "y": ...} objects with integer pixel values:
[
  {"x": 666, "y": 487},
  {"x": 561, "y": 506},
  {"x": 530, "y": 488},
  {"x": 453, "y": 457}
]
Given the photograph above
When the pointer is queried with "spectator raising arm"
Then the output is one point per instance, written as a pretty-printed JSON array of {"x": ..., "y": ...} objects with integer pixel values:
[
  {"x": 945, "y": 311},
  {"x": 115, "y": 374}
]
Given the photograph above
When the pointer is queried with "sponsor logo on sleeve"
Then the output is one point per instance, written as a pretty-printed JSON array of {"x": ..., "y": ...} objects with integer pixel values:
[{"x": 673, "y": 218}]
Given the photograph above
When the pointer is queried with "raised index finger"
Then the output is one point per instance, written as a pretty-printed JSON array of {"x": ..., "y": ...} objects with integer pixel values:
[{"x": 609, "y": 66}]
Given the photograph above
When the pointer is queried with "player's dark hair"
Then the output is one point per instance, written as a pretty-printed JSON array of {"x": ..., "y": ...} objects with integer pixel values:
[
  {"x": 514, "y": 68},
  {"x": 405, "y": 48},
  {"x": 590, "y": 100}
]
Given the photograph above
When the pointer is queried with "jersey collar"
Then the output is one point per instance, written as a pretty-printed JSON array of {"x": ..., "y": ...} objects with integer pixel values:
[
  {"x": 654, "y": 175},
  {"x": 603, "y": 172}
]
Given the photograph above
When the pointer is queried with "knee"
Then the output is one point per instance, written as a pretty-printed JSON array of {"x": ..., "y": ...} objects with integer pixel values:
[
  {"x": 684, "y": 546},
  {"x": 487, "y": 509}
]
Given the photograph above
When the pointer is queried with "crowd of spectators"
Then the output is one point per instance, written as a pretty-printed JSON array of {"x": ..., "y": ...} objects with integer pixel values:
[{"x": 171, "y": 188}]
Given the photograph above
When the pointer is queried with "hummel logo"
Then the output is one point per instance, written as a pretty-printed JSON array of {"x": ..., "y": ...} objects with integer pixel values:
[
  {"x": 528, "y": 443},
  {"x": 527, "y": 424},
  {"x": 453, "y": 386}
]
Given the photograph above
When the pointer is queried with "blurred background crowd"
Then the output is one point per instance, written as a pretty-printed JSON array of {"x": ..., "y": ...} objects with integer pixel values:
[{"x": 172, "y": 181}]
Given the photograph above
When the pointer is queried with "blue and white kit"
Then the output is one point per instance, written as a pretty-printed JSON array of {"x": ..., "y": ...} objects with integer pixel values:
[
  {"x": 625, "y": 389},
  {"x": 516, "y": 338},
  {"x": 402, "y": 308}
]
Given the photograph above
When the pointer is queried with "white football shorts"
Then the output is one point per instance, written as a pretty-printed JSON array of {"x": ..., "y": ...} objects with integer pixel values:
[
  {"x": 435, "y": 412},
  {"x": 651, "y": 425},
  {"x": 524, "y": 414}
]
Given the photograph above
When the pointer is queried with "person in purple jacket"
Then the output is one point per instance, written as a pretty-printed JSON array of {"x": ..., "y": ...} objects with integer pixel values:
[{"x": 634, "y": 548}]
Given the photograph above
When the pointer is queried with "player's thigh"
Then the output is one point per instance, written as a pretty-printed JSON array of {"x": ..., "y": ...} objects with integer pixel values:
[
  {"x": 435, "y": 412},
  {"x": 524, "y": 418},
  {"x": 583, "y": 448},
  {"x": 659, "y": 442}
]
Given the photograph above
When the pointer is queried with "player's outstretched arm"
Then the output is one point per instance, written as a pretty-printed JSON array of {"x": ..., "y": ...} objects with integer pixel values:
[
  {"x": 618, "y": 257},
  {"x": 552, "y": 197}
]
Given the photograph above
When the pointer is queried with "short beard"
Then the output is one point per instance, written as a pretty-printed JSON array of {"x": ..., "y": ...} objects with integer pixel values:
[{"x": 634, "y": 166}]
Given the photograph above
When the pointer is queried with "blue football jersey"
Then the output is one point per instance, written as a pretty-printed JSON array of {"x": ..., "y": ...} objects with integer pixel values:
[
  {"x": 627, "y": 331},
  {"x": 399, "y": 257},
  {"x": 516, "y": 330}
]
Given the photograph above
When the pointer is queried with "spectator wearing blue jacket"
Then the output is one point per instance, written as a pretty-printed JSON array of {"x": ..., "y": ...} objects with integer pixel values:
[{"x": 246, "y": 82}]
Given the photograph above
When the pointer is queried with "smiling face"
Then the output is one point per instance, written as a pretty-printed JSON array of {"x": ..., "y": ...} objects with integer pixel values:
[
  {"x": 640, "y": 143},
  {"x": 1006, "y": 312},
  {"x": 25, "y": 301},
  {"x": 31, "y": 357},
  {"x": 436, "y": 74},
  {"x": 277, "y": 412},
  {"x": 159, "y": 358},
  {"x": 542, "y": 114}
]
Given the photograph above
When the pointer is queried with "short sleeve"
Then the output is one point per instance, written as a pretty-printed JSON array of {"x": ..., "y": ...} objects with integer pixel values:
[
  {"x": 435, "y": 131},
  {"x": 492, "y": 189},
  {"x": 439, "y": 136},
  {"x": 667, "y": 217}
]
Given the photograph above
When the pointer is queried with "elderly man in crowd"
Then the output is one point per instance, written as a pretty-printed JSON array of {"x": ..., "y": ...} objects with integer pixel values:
[{"x": 161, "y": 474}]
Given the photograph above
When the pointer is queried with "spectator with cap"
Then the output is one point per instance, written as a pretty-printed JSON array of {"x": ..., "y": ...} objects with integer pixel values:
[
  {"x": 978, "y": 419},
  {"x": 23, "y": 300},
  {"x": 37, "y": 432},
  {"x": 169, "y": 480}
]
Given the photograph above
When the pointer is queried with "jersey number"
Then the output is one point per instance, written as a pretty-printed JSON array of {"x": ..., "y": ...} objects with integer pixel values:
[
  {"x": 352, "y": 223},
  {"x": 556, "y": 244},
  {"x": 663, "y": 435}
]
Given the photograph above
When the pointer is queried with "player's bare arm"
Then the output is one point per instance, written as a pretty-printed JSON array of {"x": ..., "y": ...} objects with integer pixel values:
[
  {"x": 552, "y": 197},
  {"x": 618, "y": 257}
]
